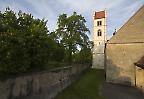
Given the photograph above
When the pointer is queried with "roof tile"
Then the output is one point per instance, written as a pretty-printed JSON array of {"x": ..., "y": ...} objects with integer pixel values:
[{"x": 99, "y": 15}]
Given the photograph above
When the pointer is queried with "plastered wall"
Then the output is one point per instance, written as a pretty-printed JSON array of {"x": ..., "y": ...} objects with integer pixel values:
[{"x": 120, "y": 59}]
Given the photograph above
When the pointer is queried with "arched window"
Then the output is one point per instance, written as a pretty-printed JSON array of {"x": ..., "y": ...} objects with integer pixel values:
[{"x": 99, "y": 33}]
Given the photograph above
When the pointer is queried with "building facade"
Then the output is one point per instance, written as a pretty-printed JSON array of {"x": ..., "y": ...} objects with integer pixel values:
[
  {"x": 99, "y": 39},
  {"x": 125, "y": 53}
]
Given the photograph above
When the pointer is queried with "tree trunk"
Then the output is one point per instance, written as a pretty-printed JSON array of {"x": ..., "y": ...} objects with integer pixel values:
[{"x": 70, "y": 54}]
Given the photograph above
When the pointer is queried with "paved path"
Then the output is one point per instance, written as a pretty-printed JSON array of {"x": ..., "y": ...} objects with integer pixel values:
[{"x": 112, "y": 91}]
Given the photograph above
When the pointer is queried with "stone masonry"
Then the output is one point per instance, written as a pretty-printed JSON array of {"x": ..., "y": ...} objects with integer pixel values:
[{"x": 41, "y": 85}]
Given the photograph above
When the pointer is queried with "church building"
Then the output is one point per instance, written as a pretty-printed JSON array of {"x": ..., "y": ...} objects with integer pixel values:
[
  {"x": 99, "y": 39},
  {"x": 125, "y": 53}
]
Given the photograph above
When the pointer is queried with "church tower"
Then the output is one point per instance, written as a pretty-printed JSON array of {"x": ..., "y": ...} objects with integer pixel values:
[{"x": 99, "y": 39}]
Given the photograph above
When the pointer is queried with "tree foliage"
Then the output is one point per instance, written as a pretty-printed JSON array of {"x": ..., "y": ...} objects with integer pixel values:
[
  {"x": 72, "y": 33},
  {"x": 24, "y": 42},
  {"x": 83, "y": 57}
]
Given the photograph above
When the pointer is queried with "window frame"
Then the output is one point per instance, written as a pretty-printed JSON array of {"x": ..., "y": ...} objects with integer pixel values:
[
  {"x": 99, "y": 23},
  {"x": 99, "y": 32}
]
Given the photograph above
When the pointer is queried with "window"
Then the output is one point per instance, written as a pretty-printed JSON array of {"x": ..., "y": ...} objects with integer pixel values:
[
  {"x": 99, "y": 23},
  {"x": 99, "y": 33}
]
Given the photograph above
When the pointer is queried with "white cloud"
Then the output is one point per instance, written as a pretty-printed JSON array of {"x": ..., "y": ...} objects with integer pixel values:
[
  {"x": 44, "y": 9},
  {"x": 119, "y": 11}
]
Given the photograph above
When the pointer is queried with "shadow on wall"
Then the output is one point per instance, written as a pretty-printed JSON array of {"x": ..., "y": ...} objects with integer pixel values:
[{"x": 116, "y": 74}]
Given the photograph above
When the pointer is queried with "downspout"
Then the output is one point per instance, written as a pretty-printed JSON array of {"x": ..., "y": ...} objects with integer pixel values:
[
  {"x": 105, "y": 60},
  {"x": 135, "y": 74}
]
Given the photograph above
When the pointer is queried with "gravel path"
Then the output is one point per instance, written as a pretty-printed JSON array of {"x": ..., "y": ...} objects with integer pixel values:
[{"x": 113, "y": 91}]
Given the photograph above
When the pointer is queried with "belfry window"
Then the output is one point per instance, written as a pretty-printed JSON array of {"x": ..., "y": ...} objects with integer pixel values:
[
  {"x": 99, "y": 33},
  {"x": 99, "y": 23}
]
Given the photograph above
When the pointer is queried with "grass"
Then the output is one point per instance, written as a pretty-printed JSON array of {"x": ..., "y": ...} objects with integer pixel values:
[{"x": 87, "y": 87}]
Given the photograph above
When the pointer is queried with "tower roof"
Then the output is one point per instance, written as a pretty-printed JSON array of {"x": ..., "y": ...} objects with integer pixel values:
[
  {"x": 132, "y": 30},
  {"x": 99, "y": 15}
]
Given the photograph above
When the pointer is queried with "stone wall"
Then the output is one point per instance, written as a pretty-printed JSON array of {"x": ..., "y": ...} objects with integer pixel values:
[
  {"x": 120, "y": 68},
  {"x": 40, "y": 85}
]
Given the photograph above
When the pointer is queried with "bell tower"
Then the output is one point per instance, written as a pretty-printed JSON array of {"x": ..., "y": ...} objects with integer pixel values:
[{"x": 99, "y": 39}]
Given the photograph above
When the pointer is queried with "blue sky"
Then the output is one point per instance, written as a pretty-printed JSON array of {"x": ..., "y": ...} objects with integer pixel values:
[{"x": 119, "y": 11}]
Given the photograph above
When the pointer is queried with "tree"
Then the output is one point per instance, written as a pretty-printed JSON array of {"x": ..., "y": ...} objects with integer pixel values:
[
  {"x": 72, "y": 33},
  {"x": 83, "y": 57},
  {"x": 58, "y": 49},
  {"x": 24, "y": 42}
]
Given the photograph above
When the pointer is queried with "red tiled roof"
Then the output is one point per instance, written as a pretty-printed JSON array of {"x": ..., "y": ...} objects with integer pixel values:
[{"x": 99, "y": 15}]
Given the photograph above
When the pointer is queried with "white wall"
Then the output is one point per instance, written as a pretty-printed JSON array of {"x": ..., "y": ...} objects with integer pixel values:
[{"x": 99, "y": 43}]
